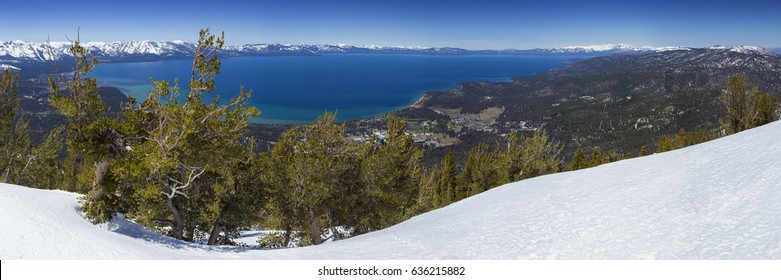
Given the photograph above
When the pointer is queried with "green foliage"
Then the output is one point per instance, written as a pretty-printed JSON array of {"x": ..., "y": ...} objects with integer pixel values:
[
  {"x": 746, "y": 106},
  {"x": 536, "y": 156},
  {"x": 447, "y": 183},
  {"x": 186, "y": 160},
  {"x": 579, "y": 161},
  {"x": 428, "y": 196},
  {"x": 665, "y": 144},
  {"x": 274, "y": 240},
  {"x": 643, "y": 151},
  {"x": 315, "y": 178},
  {"x": 684, "y": 139},
  {"x": 93, "y": 138},
  {"x": 438, "y": 187},
  {"x": 171, "y": 162},
  {"x": 481, "y": 171},
  {"x": 391, "y": 175},
  {"x": 15, "y": 146},
  {"x": 45, "y": 169}
]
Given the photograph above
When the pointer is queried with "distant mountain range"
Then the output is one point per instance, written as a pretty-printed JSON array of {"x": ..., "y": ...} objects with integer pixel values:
[{"x": 20, "y": 53}]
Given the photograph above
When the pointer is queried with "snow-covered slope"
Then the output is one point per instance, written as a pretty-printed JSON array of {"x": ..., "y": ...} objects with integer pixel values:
[{"x": 718, "y": 200}]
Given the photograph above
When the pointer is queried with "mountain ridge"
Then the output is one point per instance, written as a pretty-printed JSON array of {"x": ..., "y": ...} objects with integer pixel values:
[{"x": 25, "y": 52}]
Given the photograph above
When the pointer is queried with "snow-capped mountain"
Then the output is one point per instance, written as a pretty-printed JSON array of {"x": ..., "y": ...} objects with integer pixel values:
[
  {"x": 743, "y": 49},
  {"x": 727, "y": 59},
  {"x": 604, "y": 49},
  {"x": 23, "y": 52}
]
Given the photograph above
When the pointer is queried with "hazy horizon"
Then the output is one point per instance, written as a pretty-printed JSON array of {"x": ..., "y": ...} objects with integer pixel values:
[{"x": 461, "y": 24}]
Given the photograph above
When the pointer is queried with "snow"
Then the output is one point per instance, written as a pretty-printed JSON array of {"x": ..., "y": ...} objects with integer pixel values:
[
  {"x": 717, "y": 200},
  {"x": 34, "y": 51},
  {"x": 614, "y": 48},
  {"x": 743, "y": 49},
  {"x": 595, "y": 48},
  {"x": 6, "y": 66},
  {"x": 40, "y": 51}
]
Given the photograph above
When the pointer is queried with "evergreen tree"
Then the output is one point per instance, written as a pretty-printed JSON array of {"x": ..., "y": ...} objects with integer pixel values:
[
  {"x": 283, "y": 208},
  {"x": 447, "y": 187},
  {"x": 746, "y": 106},
  {"x": 765, "y": 109},
  {"x": 643, "y": 151},
  {"x": 45, "y": 170},
  {"x": 665, "y": 144},
  {"x": 96, "y": 140},
  {"x": 428, "y": 194},
  {"x": 319, "y": 186},
  {"x": 15, "y": 157},
  {"x": 598, "y": 158},
  {"x": 188, "y": 152},
  {"x": 439, "y": 186},
  {"x": 682, "y": 139},
  {"x": 539, "y": 156},
  {"x": 391, "y": 175},
  {"x": 579, "y": 161},
  {"x": 481, "y": 170}
]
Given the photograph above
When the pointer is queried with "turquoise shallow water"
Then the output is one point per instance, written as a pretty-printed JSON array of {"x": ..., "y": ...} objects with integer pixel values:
[{"x": 290, "y": 89}]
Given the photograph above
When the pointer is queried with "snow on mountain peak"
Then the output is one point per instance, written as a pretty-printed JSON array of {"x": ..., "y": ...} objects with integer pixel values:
[
  {"x": 117, "y": 51},
  {"x": 742, "y": 49},
  {"x": 25, "y": 50},
  {"x": 596, "y": 48},
  {"x": 615, "y": 48},
  {"x": 6, "y": 66}
]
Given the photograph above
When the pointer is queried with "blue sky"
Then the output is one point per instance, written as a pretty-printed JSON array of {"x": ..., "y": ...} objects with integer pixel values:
[{"x": 466, "y": 24}]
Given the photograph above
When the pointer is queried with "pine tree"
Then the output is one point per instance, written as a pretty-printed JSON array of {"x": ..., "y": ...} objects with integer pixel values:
[
  {"x": 539, "y": 156},
  {"x": 765, "y": 109},
  {"x": 665, "y": 144},
  {"x": 643, "y": 151},
  {"x": 94, "y": 138},
  {"x": 447, "y": 183},
  {"x": 283, "y": 207},
  {"x": 45, "y": 170},
  {"x": 15, "y": 157},
  {"x": 579, "y": 160},
  {"x": 481, "y": 170},
  {"x": 746, "y": 106},
  {"x": 391, "y": 175},
  {"x": 187, "y": 152},
  {"x": 598, "y": 158},
  {"x": 428, "y": 193},
  {"x": 318, "y": 184}
]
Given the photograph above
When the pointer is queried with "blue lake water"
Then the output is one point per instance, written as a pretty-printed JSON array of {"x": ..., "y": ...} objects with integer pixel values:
[{"x": 291, "y": 89}]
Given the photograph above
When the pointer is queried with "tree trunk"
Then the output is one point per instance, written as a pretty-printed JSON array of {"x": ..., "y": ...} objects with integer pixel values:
[
  {"x": 215, "y": 231},
  {"x": 97, "y": 185},
  {"x": 314, "y": 229},
  {"x": 288, "y": 232},
  {"x": 188, "y": 232},
  {"x": 178, "y": 226},
  {"x": 334, "y": 233}
]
